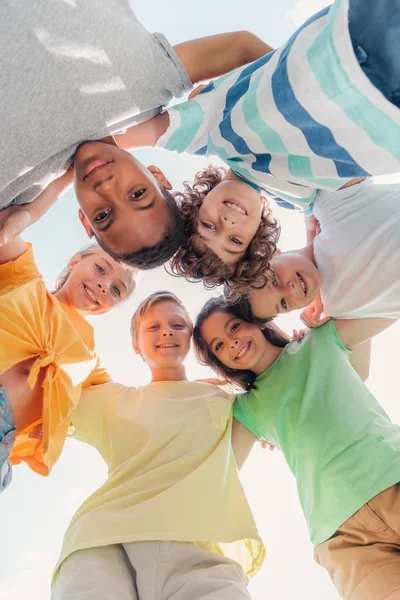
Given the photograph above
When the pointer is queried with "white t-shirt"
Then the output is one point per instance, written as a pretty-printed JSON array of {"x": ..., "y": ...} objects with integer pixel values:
[{"x": 358, "y": 250}]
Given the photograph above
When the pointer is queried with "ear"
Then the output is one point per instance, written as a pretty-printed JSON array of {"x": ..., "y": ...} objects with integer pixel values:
[
  {"x": 74, "y": 260},
  {"x": 85, "y": 223},
  {"x": 159, "y": 175},
  {"x": 136, "y": 348},
  {"x": 278, "y": 251}
]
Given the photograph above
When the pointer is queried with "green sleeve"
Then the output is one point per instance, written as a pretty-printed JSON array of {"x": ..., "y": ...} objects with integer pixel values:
[{"x": 242, "y": 413}]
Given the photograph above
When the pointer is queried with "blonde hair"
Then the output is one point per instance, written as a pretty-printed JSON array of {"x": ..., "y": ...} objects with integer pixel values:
[
  {"x": 145, "y": 305},
  {"x": 87, "y": 251}
]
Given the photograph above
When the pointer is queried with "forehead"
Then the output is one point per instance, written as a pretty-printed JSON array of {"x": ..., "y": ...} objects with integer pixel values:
[
  {"x": 215, "y": 325},
  {"x": 165, "y": 309}
]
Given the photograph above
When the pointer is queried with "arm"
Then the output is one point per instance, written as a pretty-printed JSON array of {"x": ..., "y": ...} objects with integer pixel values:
[
  {"x": 360, "y": 359},
  {"x": 356, "y": 331},
  {"x": 145, "y": 134},
  {"x": 242, "y": 442},
  {"x": 209, "y": 57},
  {"x": 15, "y": 219}
]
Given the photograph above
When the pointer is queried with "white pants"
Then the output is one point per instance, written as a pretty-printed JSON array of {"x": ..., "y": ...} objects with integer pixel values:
[{"x": 149, "y": 571}]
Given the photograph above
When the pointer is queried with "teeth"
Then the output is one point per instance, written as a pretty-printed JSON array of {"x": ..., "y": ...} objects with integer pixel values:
[
  {"x": 91, "y": 296},
  {"x": 235, "y": 207},
  {"x": 167, "y": 346},
  {"x": 303, "y": 285},
  {"x": 243, "y": 350}
]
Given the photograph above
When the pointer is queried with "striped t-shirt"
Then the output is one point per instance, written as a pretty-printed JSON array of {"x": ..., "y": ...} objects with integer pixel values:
[{"x": 302, "y": 118}]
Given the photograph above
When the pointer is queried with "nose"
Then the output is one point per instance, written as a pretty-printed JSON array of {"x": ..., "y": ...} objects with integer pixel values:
[
  {"x": 292, "y": 289},
  {"x": 234, "y": 344},
  {"x": 166, "y": 333},
  {"x": 104, "y": 186},
  {"x": 226, "y": 222},
  {"x": 103, "y": 287}
]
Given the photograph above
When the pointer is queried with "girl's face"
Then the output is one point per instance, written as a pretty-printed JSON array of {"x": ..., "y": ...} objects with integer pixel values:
[
  {"x": 228, "y": 219},
  {"x": 164, "y": 335},
  {"x": 96, "y": 283},
  {"x": 295, "y": 284},
  {"x": 236, "y": 343}
]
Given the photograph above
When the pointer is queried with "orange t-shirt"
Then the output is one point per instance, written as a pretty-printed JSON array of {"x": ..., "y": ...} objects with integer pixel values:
[{"x": 35, "y": 324}]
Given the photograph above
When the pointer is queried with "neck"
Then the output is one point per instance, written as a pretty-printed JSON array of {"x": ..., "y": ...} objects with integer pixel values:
[
  {"x": 63, "y": 297},
  {"x": 269, "y": 357},
  {"x": 177, "y": 373},
  {"x": 308, "y": 252}
]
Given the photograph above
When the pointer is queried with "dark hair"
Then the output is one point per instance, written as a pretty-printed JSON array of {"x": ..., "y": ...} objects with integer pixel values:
[
  {"x": 150, "y": 257},
  {"x": 196, "y": 262},
  {"x": 243, "y": 379}
]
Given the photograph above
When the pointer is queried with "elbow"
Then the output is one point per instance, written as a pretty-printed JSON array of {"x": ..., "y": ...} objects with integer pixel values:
[{"x": 364, "y": 373}]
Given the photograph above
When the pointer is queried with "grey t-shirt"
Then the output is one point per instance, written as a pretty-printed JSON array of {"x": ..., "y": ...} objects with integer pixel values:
[{"x": 73, "y": 70}]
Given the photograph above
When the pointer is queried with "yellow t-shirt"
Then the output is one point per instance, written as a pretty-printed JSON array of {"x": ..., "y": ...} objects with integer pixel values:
[
  {"x": 35, "y": 324},
  {"x": 172, "y": 473}
]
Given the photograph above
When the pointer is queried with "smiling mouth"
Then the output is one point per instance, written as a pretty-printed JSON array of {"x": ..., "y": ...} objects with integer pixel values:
[
  {"x": 95, "y": 165},
  {"x": 236, "y": 206},
  {"x": 168, "y": 346},
  {"x": 90, "y": 295},
  {"x": 302, "y": 283},
  {"x": 243, "y": 351}
]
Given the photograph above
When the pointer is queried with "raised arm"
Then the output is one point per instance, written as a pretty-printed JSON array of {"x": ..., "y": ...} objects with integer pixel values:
[
  {"x": 15, "y": 219},
  {"x": 243, "y": 441},
  {"x": 360, "y": 359},
  {"x": 357, "y": 331},
  {"x": 209, "y": 57}
]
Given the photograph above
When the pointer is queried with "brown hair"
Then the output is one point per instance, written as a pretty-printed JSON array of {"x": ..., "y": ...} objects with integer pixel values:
[
  {"x": 243, "y": 379},
  {"x": 147, "y": 303},
  {"x": 196, "y": 262}
]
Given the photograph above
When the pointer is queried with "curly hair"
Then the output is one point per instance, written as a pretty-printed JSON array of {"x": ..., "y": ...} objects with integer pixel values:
[
  {"x": 150, "y": 257},
  {"x": 244, "y": 379},
  {"x": 196, "y": 262}
]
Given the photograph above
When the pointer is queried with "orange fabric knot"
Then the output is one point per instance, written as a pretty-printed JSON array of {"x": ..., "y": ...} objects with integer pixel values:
[{"x": 46, "y": 358}]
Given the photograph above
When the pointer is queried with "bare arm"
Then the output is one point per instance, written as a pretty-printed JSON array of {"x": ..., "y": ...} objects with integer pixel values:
[
  {"x": 209, "y": 57},
  {"x": 360, "y": 359},
  {"x": 242, "y": 442},
  {"x": 15, "y": 219},
  {"x": 357, "y": 331},
  {"x": 145, "y": 134}
]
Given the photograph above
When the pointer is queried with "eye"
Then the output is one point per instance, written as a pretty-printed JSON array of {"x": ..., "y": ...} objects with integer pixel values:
[
  {"x": 137, "y": 193},
  {"x": 235, "y": 327},
  {"x": 235, "y": 240},
  {"x": 153, "y": 327},
  {"x": 284, "y": 304},
  {"x": 178, "y": 326},
  {"x": 100, "y": 269},
  {"x": 102, "y": 216},
  {"x": 217, "y": 346},
  {"x": 275, "y": 283},
  {"x": 117, "y": 291},
  {"x": 207, "y": 225}
]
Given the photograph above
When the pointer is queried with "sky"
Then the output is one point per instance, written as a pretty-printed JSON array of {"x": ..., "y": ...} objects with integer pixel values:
[{"x": 36, "y": 511}]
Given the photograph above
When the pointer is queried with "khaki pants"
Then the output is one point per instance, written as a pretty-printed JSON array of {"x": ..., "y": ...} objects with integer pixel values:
[
  {"x": 363, "y": 557},
  {"x": 149, "y": 571}
]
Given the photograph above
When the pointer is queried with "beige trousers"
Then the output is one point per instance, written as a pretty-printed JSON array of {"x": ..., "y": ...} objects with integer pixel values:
[{"x": 149, "y": 571}]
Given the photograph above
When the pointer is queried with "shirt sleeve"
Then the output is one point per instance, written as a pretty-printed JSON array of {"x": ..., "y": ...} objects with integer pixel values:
[
  {"x": 98, "y": 375},
  {"x": 89, "y": 417},
  {"x": 18, "y": 272},
  {"x": 187, "y": 131},
  {"x": 242, "y": 413}
]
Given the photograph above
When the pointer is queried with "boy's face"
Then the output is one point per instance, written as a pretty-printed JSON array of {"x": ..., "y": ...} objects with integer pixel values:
[
  {"x": 164, "y": 335},
  {"x": 295, "y": 284},
  {"x": 121, "y": 200},
  {"x": 228, "y": 219},
  {"x": 96, "y": 283}
]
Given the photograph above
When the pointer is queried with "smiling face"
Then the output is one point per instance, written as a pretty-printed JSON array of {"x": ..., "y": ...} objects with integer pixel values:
[
  {"x": 96, "y": 283},
  {"x": 228, "y": 219},
  {"x": 164, "y": 335},
  {"x": 295, "y": 284},
  {"x": 121, "y": 200},
  {"x": 236, "y": 343}
]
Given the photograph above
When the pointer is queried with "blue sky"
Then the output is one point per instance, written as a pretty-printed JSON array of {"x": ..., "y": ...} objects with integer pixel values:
[{"x": 36, "y": 511}]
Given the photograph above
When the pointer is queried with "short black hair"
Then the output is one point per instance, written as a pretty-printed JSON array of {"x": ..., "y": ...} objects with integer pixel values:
[{"x": 150, "y": 257}]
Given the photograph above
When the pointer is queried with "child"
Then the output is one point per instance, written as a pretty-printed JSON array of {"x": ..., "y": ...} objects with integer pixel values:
[
  {"x": 353, "y": 261},
  {"x": 72, "y": 75},
  {"x": 173, "y": 492},
  {"x": 314, "y": 114},
  {"x": 47, "y": 348},
  {"x": 338, "y": 442}
]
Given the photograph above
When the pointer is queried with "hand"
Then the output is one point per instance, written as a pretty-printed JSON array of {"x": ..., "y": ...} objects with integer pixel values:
[
  {"x": 197, "y": 90},
  {"x": 311, "y": 315},
  {"x": 13, "y": 221},
  {"x": 213, "y": 381},
  {"x": 299, "y": 334},
  {"x": 264, "y": 444}
]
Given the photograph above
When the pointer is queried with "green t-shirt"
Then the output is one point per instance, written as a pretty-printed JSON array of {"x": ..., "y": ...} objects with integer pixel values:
[{"x": 337, "y": 440}]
